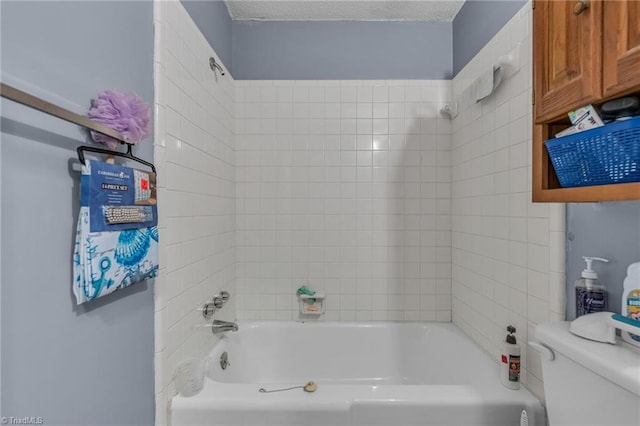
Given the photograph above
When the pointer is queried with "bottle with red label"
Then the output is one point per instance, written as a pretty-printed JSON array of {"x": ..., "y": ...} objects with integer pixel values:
[{"x": 510, "y": 362}]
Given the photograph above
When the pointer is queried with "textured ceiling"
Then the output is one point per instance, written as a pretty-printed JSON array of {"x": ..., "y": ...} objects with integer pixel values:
[{"x": 353, "y": 10}]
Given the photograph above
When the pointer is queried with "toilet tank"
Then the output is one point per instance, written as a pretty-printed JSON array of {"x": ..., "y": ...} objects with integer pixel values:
[{"x": 588, "y": 383}]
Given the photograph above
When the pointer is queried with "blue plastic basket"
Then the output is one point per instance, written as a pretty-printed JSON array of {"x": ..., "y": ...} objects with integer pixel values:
[{"x": 601, "y": 156}]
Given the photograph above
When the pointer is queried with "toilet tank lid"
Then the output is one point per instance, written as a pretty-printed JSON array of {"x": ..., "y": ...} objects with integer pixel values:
[{"x": 619, "y": 363}]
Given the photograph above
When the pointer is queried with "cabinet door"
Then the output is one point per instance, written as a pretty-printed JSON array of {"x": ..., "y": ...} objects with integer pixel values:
[
  {"x": 621, "y": 47},
  {"x": 567, "y": 56}
]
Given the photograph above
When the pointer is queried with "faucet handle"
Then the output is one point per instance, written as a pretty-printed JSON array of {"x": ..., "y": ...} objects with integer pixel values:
[
  {"x": 220, "y": 299},
  {"x": 208, "y": 309},
  {"x": 216, "y": 303}
]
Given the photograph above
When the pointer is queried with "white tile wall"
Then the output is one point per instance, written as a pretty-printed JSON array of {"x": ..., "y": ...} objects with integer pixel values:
[
  {"x": 357, "y": 189},
  {"x": 508, "y": 253},
  {"x": 194, "y": 156},
  {"x": 343, "y": 186}
]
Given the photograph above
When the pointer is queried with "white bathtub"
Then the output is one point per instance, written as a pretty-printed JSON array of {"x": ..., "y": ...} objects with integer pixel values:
[{"x": 368, "y": 374}]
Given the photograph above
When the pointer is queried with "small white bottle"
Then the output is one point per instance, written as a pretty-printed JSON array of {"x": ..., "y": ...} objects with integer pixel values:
[
  {"x": 510, "y": 362},
  {"x": 631, "y": 301},
  {"x": 591, "y": 295}
]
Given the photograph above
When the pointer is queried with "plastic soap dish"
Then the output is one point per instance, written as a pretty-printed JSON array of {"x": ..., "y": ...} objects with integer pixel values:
[{"x": 311, "y": 305}]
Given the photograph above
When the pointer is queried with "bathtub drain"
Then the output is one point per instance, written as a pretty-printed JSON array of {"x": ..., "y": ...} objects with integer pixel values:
[{"x": 308, "y": 387}]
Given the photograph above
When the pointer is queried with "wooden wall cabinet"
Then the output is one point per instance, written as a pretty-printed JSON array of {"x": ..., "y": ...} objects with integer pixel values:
[
  {"x": 567, "y": 57},
  {"x": 621, "y": 47},
  {"x": 584, "y": 52}
]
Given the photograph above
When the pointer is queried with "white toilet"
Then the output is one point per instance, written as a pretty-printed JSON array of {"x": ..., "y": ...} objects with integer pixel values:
[{"x": 588, "y": 383}]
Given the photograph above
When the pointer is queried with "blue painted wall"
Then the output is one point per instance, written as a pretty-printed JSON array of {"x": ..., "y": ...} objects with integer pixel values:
[
  {"x": 350, "y": 49},
  {"x": 341, "y": 50},
  {"x": 214, "y": 22},
  {"x": 609, "y": 230},
  {"x": 476, "y": 23},
  {"x": 89, "y": 365}
]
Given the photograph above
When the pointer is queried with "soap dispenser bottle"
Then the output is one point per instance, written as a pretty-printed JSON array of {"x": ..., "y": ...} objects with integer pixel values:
[
  {"x": 591, "y": 295},
  {"x": 510, "y": 362}
]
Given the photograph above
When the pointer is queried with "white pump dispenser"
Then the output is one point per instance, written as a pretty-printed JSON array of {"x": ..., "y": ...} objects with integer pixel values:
[
  {"x": 589, "y": 272},
  {"x": 591, "y": 296}
]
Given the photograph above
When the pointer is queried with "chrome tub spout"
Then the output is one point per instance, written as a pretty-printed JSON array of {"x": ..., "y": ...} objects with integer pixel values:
[{"x": 218, "y": 326}]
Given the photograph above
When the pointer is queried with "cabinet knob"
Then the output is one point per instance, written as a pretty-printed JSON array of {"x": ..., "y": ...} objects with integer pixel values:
[{"x": 580, "y": 7}]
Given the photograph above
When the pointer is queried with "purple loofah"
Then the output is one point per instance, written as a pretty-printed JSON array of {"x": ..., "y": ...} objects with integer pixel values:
[{"x": 123, "y": 112}]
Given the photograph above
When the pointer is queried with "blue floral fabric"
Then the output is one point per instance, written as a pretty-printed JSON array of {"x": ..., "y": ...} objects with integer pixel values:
[{"x": 110, "y": 260}]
